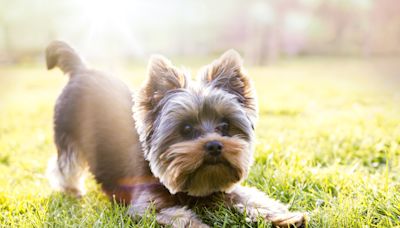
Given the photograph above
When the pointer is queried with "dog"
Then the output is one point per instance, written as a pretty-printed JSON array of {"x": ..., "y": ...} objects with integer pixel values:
[{"x": 173, "y": 145}]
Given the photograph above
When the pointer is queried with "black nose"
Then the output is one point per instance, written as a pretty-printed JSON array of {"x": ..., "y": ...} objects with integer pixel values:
[{"x": 214, "y": 148}]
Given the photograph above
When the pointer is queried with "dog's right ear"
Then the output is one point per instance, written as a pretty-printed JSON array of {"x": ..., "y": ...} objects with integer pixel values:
[{"x": 162, "y": 78}]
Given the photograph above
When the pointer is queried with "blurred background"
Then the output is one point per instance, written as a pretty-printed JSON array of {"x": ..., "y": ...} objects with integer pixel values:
[
  {"x": 263, "y": 31},
  {"x": 327, "y": 78}
]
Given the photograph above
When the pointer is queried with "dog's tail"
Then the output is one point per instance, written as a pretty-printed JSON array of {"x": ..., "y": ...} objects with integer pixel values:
[{"x": 60, "y": 54}]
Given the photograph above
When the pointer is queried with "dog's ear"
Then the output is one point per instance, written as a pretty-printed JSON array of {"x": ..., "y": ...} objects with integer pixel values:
[
  {"x": 162, "y": 78},
  {"x": 227, "y": 73}
]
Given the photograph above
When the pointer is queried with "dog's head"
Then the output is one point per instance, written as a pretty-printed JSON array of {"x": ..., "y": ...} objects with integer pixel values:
[{"x": 197, "y": 135}]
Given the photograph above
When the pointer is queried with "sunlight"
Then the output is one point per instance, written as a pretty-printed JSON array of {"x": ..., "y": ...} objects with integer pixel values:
[
  {"x": 110, "y": 32},
  {"x": 105, "y": 12}
]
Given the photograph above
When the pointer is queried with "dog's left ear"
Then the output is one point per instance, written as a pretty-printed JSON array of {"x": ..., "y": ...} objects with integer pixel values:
[
  {"x": 162, "y": 78},
  {"x": 227, "y": 73}
]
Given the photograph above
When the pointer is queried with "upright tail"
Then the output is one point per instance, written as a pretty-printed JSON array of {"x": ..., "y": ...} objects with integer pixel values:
[{"x": 60, "y": 54}]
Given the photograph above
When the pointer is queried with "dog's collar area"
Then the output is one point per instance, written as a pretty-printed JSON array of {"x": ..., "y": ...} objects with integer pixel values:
[
  {"x": 139, "y": 187},
  {"x": 137, "y": 181},
  {"x": 127, "y": 189}
]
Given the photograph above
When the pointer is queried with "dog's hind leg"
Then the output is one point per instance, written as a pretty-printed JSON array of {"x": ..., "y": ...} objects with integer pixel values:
[{"x": 67, "y": 171}]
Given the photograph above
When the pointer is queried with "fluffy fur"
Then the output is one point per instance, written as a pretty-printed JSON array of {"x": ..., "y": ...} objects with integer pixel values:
[{"x": 189, "y": 142}]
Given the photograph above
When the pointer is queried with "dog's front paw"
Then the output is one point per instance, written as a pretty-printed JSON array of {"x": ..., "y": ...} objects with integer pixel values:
[
  {"x": 196, "y": 224},
  {"x": 288, "y": 219},
  {"x": 187, "y": 223}
]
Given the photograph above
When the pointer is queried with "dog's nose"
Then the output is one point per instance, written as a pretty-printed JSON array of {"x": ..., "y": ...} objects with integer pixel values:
[{"x": 214, "y": 148}]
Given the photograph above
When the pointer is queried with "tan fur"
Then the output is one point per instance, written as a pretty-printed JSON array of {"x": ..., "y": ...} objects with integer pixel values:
[{"x": 186, "y": 171}]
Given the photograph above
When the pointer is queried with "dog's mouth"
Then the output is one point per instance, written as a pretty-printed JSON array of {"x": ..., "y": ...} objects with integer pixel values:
[
  {"x": 212, "y": 176},
  {"x": 214, "y": 161}
]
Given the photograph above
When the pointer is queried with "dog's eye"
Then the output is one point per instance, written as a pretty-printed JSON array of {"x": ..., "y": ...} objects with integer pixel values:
[
  {"x": 187, "y": 130},
  {"x": 223, "y": 128}
]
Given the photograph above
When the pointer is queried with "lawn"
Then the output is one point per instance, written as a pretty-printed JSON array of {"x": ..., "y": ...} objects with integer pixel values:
[{"x": 328, "y": 142}]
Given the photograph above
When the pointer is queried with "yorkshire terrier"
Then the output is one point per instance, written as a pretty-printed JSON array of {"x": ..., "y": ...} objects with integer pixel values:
[{"x": 175, "y": 144}]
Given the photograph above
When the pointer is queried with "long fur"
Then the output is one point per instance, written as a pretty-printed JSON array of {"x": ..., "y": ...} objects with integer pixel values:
[
  {"x": 186, "y": 170},
  {"x": 168, "y": 100}
]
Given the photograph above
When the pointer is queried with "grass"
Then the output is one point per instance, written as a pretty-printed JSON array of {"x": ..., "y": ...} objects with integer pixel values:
[{"x": 328, "y": 144}]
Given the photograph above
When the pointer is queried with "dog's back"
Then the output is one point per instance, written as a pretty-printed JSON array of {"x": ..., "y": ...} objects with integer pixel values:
[{"x": 93, "y": 125}]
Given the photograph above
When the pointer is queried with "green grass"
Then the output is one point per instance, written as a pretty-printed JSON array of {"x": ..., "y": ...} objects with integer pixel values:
[{"x": 328, "y": 143}]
